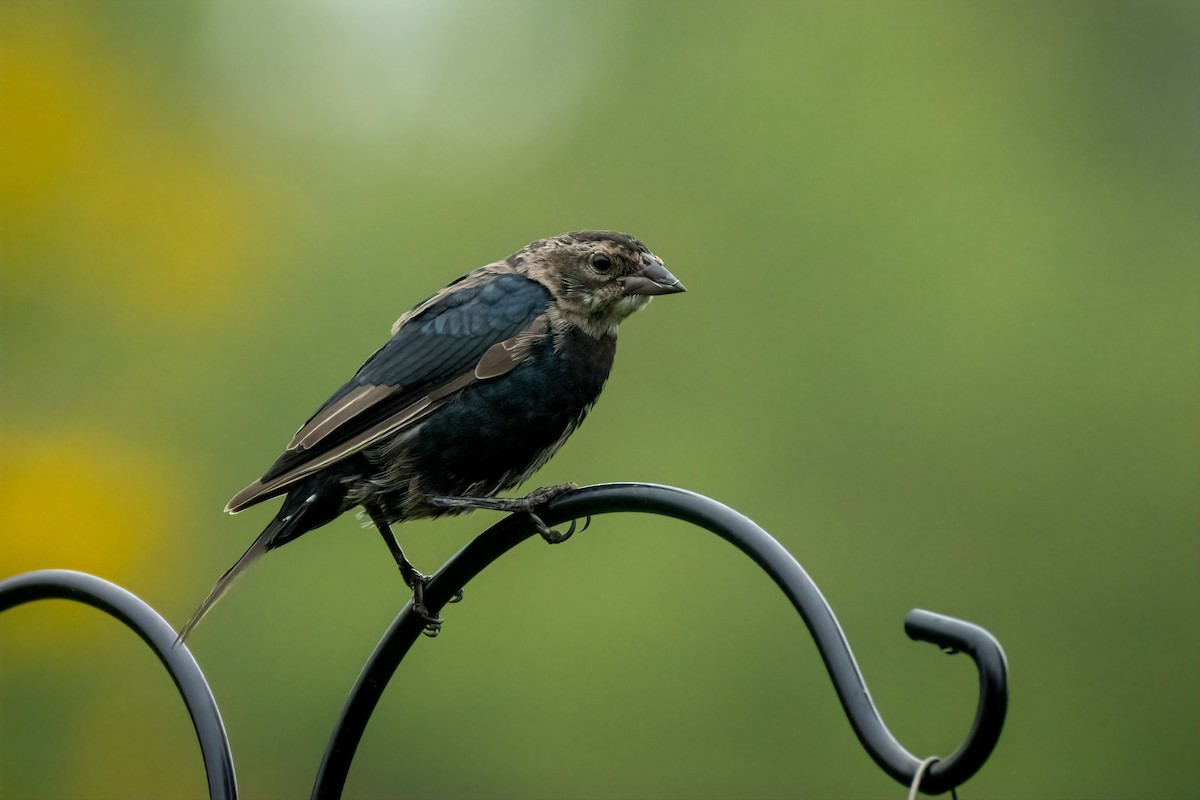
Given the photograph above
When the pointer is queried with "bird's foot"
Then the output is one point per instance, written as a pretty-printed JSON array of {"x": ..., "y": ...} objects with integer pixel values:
[
  {"x": 413, "y": 578},
  {"x": 433, "y": 624},
  {"x": 416, "y": 581},
  {"x": 523, "y": 505},
  {"x": 557, "y": 537},
  {"x": 526, "y": 504},
  {"x": 543, "y": 495}
]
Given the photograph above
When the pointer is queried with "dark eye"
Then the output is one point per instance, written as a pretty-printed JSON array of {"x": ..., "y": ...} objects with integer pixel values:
[{"x": 601, "y": 262}]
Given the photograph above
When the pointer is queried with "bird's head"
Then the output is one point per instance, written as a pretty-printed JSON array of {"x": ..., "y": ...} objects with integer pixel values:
[{"x": 597, "y": 278}]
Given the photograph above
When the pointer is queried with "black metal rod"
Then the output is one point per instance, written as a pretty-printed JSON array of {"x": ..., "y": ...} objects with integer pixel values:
[
  {"x": 61, "y": 584},
  {"x": 946, "y": 632}
]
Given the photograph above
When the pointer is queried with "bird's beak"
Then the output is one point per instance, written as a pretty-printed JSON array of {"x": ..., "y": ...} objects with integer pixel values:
[{"x": 653, "y": 279}]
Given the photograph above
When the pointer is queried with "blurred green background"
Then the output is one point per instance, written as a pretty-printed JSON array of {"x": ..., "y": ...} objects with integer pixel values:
[{"x": 940, "y": 340}]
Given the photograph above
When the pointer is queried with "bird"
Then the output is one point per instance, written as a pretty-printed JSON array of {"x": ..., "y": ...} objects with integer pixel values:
[{"x": 477, "y": 387}]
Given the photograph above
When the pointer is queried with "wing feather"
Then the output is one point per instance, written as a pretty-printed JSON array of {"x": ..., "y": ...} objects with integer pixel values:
[{"x": 478, "y": 328}]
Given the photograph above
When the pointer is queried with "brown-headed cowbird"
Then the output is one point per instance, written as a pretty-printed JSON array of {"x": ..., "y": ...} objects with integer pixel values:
[{"x": 477, "y": 388}]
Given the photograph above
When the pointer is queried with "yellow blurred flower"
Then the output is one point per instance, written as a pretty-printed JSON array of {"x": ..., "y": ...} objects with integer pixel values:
[
  {"x": 105, "y": 180},
  {"x": 78, "y": 499}
]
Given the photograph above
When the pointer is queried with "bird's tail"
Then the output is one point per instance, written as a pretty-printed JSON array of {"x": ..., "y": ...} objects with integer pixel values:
[
  {"x": 262, "y": 544},
  {"x": 302, "y": 511}
]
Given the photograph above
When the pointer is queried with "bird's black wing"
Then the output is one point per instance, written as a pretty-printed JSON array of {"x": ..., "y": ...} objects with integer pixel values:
[{"x": 477, "y": 328}]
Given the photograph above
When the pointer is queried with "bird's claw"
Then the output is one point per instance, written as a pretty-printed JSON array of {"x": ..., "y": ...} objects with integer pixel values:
[
  {"x": 433, "y": 624},
  {"x": 558, "y": 537},
  {"x": 549, "y": 534}
]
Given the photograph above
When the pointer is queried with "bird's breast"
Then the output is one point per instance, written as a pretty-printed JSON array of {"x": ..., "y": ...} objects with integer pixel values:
[{"x": 496, "y": 433}]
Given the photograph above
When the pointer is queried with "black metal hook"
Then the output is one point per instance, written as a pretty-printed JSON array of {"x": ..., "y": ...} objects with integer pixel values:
[
  {"x": 948, "y": 633},
  {"x": 61, "y": 584}
]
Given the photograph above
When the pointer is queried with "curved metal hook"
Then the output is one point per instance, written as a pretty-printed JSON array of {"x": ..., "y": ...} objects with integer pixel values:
[
  {"x": 948, "y": 633},
  {"x": 61, "y": 584}
]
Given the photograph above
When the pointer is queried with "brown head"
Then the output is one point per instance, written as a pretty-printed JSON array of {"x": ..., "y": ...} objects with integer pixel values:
[{"x": 598, "y": 278}]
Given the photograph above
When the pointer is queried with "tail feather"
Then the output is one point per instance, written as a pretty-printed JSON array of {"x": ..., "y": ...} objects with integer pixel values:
[
  {"x": 302, "y": 511},
  {"x": 261, "y": 545}
]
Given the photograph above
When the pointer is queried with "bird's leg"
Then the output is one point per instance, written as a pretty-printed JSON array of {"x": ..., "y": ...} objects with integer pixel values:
[
  {"x": 538, "y": 497},
  {"x": 412, "y": 577},
  {"x": 518, "y": 505}
]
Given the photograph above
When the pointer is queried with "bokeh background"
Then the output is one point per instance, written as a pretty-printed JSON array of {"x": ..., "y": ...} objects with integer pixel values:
[{"x": 940, "y": 339}]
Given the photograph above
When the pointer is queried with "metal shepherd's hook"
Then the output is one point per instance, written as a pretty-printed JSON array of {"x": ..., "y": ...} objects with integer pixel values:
[
  {"x": 952, "y": 635},
  {"x": 932, "y": 776},
  {"x": 159, "y": 636}
]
